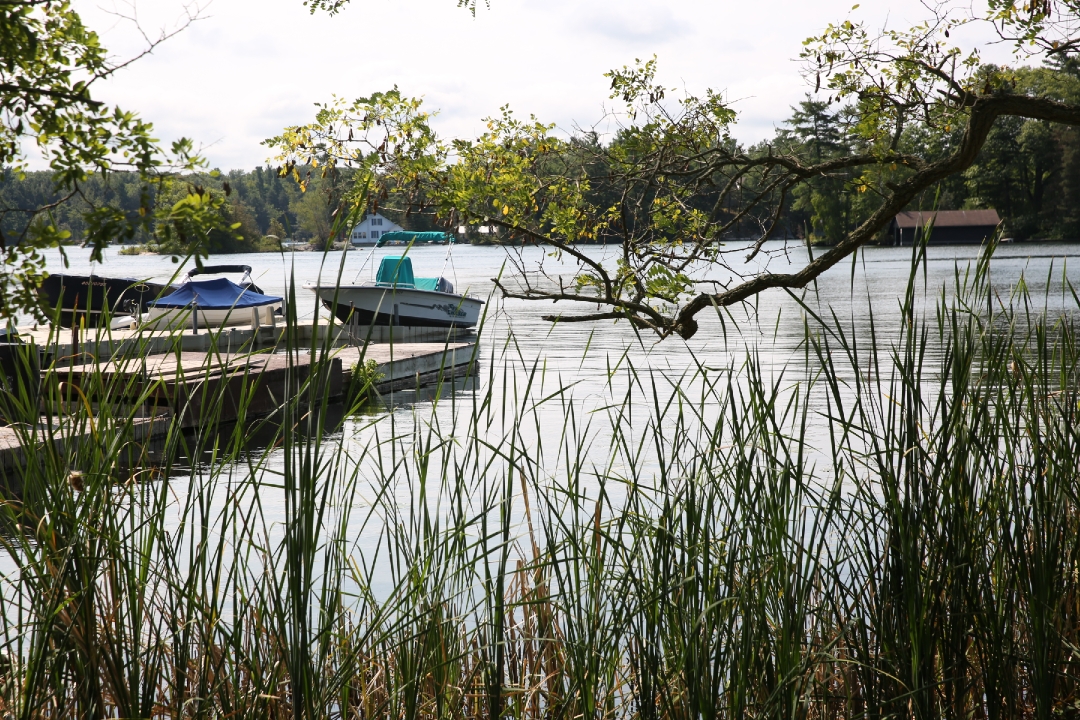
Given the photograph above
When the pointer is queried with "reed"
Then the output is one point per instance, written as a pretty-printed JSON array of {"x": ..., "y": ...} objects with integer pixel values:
[{"x": 886, "y": 526}]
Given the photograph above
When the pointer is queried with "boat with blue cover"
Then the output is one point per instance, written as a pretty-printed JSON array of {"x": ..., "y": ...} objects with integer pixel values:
[
  {"x": 398, "y": 297},
  {"x": 213, "y": 303}
]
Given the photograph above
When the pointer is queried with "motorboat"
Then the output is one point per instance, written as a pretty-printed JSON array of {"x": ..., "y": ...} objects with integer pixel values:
[
  {"x": 397, "y": 297},
  {"x": 213, "y": 303},
  {"x": 88, "y": 299}
]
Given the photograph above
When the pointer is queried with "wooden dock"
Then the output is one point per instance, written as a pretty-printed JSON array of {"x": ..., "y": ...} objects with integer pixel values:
[
  {"x": 105, "y": 343},
  {"x": 13, "y": 451},
  {"x": 406, "y": 366},
  {"x": 198, "y": 388}
]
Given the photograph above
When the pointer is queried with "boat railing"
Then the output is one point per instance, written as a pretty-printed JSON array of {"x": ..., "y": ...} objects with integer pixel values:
[
  {"x": 403, "y": 286},
  {"x": 410, "y": 286}
]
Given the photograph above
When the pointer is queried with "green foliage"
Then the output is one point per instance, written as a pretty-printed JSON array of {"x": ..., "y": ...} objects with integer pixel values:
[
  {"x": 1036, "y": 26},
  {"x": 895, "y": 76},
  {"x": 519, "y": 176},
  {"x": 821, "y": 209},
  {"x": 340, "y": 161},
  {"x": 134, "y": 250},
  {"x": 364, "y": 377},
  {"x": 1027, "y": 169},
  {"x": 246, "y": 208},
  {"x": 50, "y": 60},
  {"x": 907, "y": 113}
]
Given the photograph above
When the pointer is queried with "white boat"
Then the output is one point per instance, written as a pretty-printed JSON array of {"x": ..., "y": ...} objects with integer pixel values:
[
  {"x": 202, "y": 304},
  {"x": 396, "y": 297}
]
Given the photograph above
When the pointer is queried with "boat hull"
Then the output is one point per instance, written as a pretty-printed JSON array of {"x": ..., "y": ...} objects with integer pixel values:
[
  {"x": 405, "y": 307},
  {"x": 180, "y": 318},
  {"x": 89, "y": 299}
]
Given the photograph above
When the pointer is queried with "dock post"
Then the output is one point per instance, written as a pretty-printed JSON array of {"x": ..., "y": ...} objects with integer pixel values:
[{"x": 195, "y": 319}]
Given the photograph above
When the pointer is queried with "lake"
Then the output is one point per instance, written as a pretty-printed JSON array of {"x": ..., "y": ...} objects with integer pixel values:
[
  {"x": 773, "y": 323},
  {"x": 525, "y": 360}
]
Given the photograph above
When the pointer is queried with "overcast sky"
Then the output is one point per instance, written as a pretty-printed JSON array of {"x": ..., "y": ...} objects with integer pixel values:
[{"x": 252, "y": 67}]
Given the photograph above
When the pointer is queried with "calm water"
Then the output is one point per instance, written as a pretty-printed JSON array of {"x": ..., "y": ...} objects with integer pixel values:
[
  {"x": 582, "y": 354},
  {"x": 774, "y": 324},
  {"x": 591, "y": 359}
]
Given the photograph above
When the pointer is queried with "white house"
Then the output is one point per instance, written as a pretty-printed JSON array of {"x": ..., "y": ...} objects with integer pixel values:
[{"x": 370, "y": 229}]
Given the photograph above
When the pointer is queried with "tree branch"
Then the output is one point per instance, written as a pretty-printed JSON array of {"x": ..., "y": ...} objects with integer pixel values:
[{"x": 984, "y": 111}]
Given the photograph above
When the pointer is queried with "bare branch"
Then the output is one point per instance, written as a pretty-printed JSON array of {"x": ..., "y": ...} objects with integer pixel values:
[{"x": 191, "y": 13}]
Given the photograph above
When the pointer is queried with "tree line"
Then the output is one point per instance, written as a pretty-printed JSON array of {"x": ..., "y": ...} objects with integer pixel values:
[
  {"x": 259, "y": 206},
  {"x": 258, "y": 209},
  {"x": 1028, "y": 170}
]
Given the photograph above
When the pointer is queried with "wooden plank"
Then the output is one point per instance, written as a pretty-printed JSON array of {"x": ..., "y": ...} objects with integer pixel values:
[
  {"x": 203, "y": 387},
  {"x": 260, "y": 387},
  {"x": 199, "y": 389}
]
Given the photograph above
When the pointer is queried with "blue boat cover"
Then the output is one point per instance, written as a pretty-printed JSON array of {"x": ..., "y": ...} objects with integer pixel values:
[{"x": 219, "y": 294}]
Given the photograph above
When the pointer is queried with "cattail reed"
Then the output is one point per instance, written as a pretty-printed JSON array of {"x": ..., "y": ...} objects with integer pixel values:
[{"x": 887, "y": 526}]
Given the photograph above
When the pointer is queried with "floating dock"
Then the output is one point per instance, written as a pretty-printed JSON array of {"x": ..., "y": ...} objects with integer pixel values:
[
  {"x": 13, "y": 451},
  {"x": 197, "y": 388},
  {"x": 220, "y": 376},
  {"x": 406, "y": 366},
  {"x": 106, "y": 343}
]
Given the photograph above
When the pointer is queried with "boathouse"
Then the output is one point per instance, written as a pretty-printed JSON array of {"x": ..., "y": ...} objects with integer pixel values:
[{"x": 950, "y": 227}]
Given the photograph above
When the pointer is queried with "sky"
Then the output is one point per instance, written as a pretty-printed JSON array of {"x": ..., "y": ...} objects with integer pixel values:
[{"x": 249, "y": 68}]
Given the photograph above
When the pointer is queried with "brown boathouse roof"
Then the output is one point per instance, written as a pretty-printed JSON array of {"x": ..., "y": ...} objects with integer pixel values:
[{"x": 948, "y": 218}]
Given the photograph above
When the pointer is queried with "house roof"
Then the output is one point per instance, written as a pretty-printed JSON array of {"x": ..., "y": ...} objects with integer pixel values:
[{"x": 948, "y": 218}]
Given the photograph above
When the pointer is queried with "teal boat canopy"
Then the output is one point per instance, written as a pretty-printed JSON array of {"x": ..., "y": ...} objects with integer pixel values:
[
  {"x": 398, "y": 271},
  {"x": 395, "y": 271},
  {"x": 405, "y": 237},
  {"x": 439, "y": 284}
]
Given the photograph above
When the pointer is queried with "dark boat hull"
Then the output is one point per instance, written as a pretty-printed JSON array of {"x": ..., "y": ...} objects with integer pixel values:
[{"x": 88, "y": 299}]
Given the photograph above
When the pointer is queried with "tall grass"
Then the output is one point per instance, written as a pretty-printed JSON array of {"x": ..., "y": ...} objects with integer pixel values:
[{"x": 888, "y": 526}]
